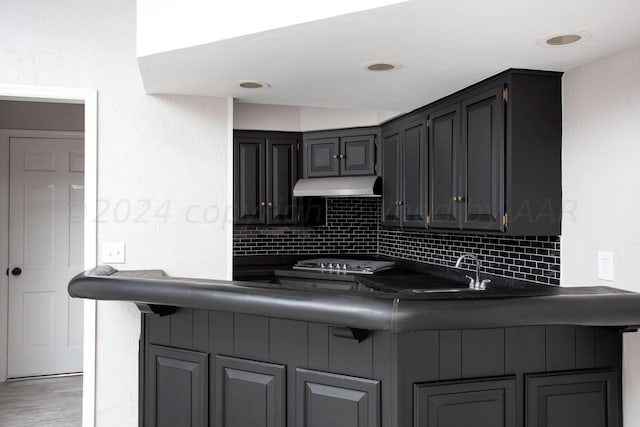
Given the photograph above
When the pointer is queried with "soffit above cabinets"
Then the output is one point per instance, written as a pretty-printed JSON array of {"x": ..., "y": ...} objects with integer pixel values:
[{"x": 441, "y": 47}]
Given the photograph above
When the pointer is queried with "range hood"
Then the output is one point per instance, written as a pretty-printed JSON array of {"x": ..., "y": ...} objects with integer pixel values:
[{"x": 344, "y": 186}]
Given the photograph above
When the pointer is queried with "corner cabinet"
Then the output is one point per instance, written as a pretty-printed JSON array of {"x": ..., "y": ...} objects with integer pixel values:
[
  {"x": 404, "y": 172},
  {"x": 346, "y": 152},
  {"x": 265, "y": 169}
]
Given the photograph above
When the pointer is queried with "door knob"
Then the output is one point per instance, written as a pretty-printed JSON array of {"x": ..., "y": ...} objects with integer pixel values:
[{"x": 16, "y": 271}]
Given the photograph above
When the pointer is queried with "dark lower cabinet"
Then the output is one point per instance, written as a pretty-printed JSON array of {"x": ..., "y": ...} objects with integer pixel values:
[
  {"x": 313, "y": 375},
  {"x": 576, "y": 399},
  {"x": 481, "y": 403},
  {"x": 325, "y": 399},
  {"x": 178, "y": 388},
  {"x": 250, "y": 393}
]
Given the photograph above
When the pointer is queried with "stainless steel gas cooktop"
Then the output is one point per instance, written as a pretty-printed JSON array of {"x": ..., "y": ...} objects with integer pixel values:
[{"x": 339, "y": 265}]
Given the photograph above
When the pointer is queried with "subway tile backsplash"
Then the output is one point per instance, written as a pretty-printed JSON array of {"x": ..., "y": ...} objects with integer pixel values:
[
  {"x": 535, "y": 259},
  {"x": 353, "y": 227}
]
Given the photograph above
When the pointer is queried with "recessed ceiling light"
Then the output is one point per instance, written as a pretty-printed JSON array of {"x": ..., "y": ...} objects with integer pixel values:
[
  {"x": 382, "y": 66},
  {"x": 564, "y": 39},
  {"x": 252, "y": 84}
]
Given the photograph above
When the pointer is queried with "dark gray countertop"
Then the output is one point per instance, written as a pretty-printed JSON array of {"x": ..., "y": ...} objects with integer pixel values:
[{"x": 394, "y": 311}]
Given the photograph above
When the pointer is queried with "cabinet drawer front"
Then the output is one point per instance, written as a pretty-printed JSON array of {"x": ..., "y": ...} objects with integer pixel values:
[
  {"x": 481, "y": 403},
  {"x": 325, "y": 399},
  {"x": 576, "y": 399}
]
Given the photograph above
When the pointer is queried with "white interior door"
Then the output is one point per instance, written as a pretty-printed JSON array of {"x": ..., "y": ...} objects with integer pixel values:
[{"x": 46, "y": 218}]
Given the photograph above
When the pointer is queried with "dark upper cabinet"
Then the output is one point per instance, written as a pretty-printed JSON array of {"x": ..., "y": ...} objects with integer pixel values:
[
  {"x": 345, "y": 152},
  {"x": 494, "y": 156},
  {"x": 265, "y": 171},
  {"x": 177, "y": 388},
  {"x": 444, "y": 149},
  {"x": 282, "y": 168},
  {"x": 390, "y": 180},
  {"x": 481, "y": 403},
  {"x": 466, "y": 168},
  {"x": 481, "y": 197},
  {"x": 357, "y": 155},
  {"x": 249, "y": 393},
  {"x": 249, "y": 180},
  {"x": 404, "y": 172},
  {"x": 322, "y": 157},
  {"x": 575, "y": 399},
  {"x": 326, "y": 399}
]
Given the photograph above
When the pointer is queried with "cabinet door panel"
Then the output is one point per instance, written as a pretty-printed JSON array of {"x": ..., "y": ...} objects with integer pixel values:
[
  {"x": 444, "y": 141},
  {"x": 249, "y": 186},
  {"x": 483, "y": 403},
  {"x": 577, "y": 399},
  {"x": 282, "y": 168},
  {"x": 321, "y": 157},
  {"x": 482, "y": 154},
  {"x": 325, "y": 399},
  {"x": 249, "y": 393},
  {"x": 177, "y": 389},
  {"x": 358, "y": 155},
  {"x": 390, "y": 181},
  {"x": 414, "y": 174}
]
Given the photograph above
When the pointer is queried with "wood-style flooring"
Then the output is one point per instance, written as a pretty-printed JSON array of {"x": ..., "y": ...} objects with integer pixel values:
[{"x": 41, "y": 402}]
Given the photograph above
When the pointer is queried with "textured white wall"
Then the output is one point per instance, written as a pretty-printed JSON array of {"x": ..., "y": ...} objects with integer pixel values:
[
  {"x": 302, "y": 119},
  {"x": 600, "y": 152},
  {"x": 166, "y": 158}
]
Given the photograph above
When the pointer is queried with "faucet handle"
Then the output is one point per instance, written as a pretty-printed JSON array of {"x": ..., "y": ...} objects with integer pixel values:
[
  {"x": 472, "y": 282},
  {"x": 483, "y": 284}
]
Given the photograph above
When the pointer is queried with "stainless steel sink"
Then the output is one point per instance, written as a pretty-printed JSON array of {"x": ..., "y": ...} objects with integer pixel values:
[{"x": 442, "y": 290}]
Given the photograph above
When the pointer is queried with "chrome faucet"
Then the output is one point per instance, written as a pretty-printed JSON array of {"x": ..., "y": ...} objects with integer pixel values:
[{"x": 474, "y": 283}]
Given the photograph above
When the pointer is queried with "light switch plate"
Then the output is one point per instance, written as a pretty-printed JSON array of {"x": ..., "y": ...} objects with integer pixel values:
[
  {"x": 113, "y": 253},
  {"x": 605, "y": 265}
]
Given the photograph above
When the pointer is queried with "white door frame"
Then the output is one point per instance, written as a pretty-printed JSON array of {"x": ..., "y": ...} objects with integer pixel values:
[{"x": 89, "y": 98}]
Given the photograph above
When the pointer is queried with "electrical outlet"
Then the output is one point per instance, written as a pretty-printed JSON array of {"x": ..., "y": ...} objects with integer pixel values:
[
  {"x": 605, "y": 265},
  {"x": 113, "y": 252}
]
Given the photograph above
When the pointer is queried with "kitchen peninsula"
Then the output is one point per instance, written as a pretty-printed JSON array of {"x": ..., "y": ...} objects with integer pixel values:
[{"x": 232, "y": 353}]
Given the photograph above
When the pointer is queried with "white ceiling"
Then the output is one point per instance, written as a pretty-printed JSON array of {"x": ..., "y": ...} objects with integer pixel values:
[{"x": 443, "y": 46}]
